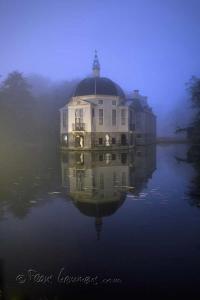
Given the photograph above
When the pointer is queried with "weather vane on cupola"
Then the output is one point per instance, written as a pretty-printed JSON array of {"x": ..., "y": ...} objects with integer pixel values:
[{"x": 96, "y": 65}]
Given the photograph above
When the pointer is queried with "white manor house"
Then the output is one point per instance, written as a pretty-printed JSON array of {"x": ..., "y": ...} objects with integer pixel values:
[{"x": 100, "y": 116}]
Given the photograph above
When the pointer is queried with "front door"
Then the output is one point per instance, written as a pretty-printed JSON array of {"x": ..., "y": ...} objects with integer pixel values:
[{"x": 79, "y": 141}]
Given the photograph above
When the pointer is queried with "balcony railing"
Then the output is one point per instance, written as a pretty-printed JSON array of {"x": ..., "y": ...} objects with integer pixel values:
[{"x": 78, "y": 126}]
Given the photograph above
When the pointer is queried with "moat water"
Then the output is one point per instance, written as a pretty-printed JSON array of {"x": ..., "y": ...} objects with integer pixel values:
[{"x": 98, "y": 222}]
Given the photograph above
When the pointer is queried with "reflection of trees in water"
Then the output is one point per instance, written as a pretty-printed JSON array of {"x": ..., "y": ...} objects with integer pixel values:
[
  {"x": 194, "y": 138},
  {"x": 193, "y": 158},
  {"x": 194, "y": 188},
  {"x": 25, "y": 176}
]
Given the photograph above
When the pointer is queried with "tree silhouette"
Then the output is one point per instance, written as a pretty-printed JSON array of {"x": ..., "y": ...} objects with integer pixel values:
[
  {"x": 17, "y": 109},
  {"x": 194, "y": 137}
]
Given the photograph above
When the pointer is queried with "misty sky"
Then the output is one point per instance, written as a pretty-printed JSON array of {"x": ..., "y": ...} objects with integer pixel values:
[{"x": 150, "y": 45}]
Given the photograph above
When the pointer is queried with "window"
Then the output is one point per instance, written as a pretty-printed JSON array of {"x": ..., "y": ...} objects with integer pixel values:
[
  {"x": 101, "y": 181},
  {"x": 100, "y": 157},
  {"x": 131, "y": 116},
  {"x": 138, "y": 121},
  {"x": 131, "y": 139},
  {"x": 93, "y": 112},
  {"x": 79, "y": 115},
  {"x": 100, "y": 116},
  {"x": 132, "y": 126},
  {"x": 65, "y": 138},
  {"x": 64, "y": 119},
  {"x": 113, "y": 141},
  {"x": 123, "y": 179},
  {"x": 80, "y": 174},
  {"x": 100, "y": 102},
  {"x": 123, "y": 158},
  {"x": 100, "y": 141},
  {"x": 114, "y": 102},
  {"x": 123, "y": 117},
  {"x": 131, "y": 121},
  {"x": 113, "y": 156},
  {"x": 114, "y": 179},
  {"x": 114, "y": 117}
]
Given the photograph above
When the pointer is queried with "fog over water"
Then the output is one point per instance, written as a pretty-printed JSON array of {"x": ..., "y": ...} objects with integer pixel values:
[{"x": 151, "y": 45}]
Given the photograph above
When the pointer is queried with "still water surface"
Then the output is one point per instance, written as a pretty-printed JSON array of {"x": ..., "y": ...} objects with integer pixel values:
[{"x": 98, "y": 222}]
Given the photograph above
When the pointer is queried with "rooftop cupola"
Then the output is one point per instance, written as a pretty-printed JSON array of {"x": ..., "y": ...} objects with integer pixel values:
[{"x": 96, "y": 65}]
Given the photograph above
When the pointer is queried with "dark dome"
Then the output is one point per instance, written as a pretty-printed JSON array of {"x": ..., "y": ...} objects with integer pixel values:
[{"x": 98, "y": 86}]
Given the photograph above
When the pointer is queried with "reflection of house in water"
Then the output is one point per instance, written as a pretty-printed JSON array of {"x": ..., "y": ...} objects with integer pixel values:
[{"x": 97, "y": 182}]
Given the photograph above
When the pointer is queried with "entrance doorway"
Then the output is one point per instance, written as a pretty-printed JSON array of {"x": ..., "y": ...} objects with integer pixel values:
[{"x": 79, "y": 141}]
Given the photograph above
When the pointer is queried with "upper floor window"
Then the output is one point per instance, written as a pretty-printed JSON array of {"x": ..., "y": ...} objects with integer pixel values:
[
  {"x": 131, "y": 116},
  {"x": 123, "y": 117},
  {"x": 114, "y": 102},
  {"x": 79, "y": 115},
  {"x": 64, "y": 119},
  {"x": 93, "y": 112},
  {"x": 114, "y": 117},
  {"x": 138, "y": 121},
  {"x": 100, "y": 102},
  {"x": 100, "y": 116}
]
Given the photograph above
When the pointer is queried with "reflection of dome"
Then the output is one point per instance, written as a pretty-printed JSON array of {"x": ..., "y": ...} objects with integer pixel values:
[
  {"x": 99, "y": 210},
  {"x": 98, "y": 86}
]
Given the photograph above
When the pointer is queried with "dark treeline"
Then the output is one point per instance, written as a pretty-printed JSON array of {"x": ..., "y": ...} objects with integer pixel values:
[
  {"x": 193, "y": 132},
  {"x": 29, "y": 108},
  {"x": 194, "y": 91},
  {"x": 193, "y": 136}
]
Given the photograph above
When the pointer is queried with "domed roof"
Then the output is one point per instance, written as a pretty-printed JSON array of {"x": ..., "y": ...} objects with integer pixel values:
[{"x": 98, "y": 86}]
